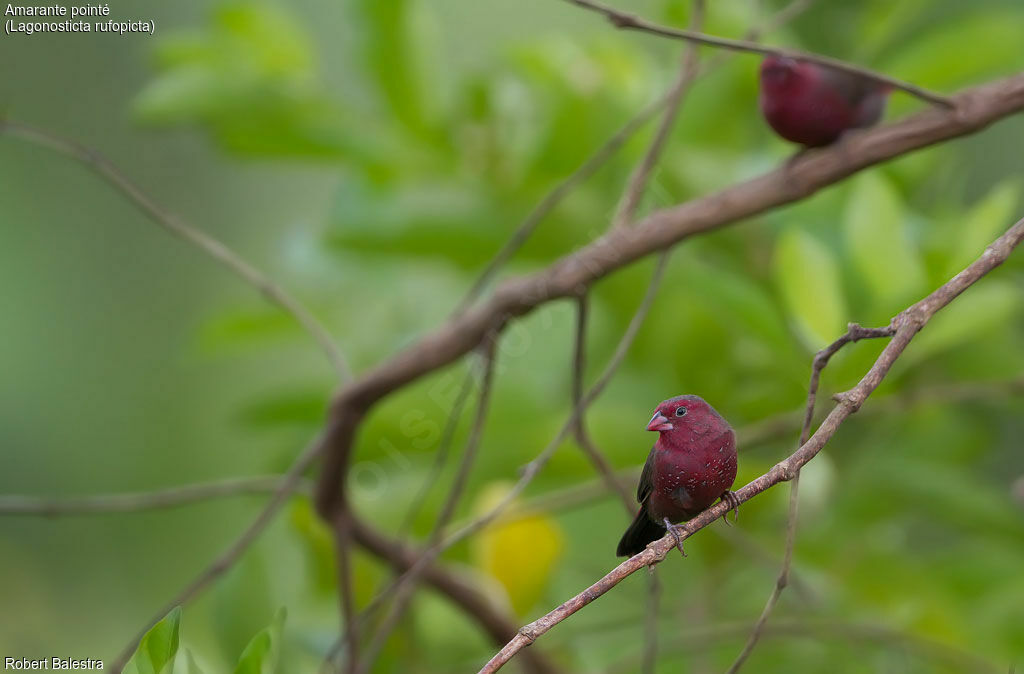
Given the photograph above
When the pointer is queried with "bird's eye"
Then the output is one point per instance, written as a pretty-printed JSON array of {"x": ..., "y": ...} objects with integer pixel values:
[{"x": 681, "y": 411}]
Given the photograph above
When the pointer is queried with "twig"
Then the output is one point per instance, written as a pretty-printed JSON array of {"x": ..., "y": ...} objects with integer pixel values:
[
  {"x": 441, "y": 458},
  {"x": 633, "y": 22},
  {"x": 343, "y": 528},
  {"x": 677, "y": 94},
  {"x": 905, "y": 325},
  {"x": 453, "y": 584},
  {"x": 215, "y": 249},
  {"x": 854, "y": 333},
  {"x": 447, "y": 436},
  {"x": 408, "y": 583},
  {"x": 555, "y": 197},
  {"x": 929, "y": 649},
  {"x": 650, "y": 657},
  {"x": 583, "y": 439},
  {"x": 291, "y": 480},
  {"x": 798, "y": 178},
  {"x": 40, "y": 506}
]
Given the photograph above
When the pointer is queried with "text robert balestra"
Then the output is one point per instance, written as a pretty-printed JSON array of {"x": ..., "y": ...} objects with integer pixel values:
[{"x": 54, "y": 663}]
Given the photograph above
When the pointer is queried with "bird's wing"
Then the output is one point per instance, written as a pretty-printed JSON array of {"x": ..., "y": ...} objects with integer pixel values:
[
  {"x": 852, "y": 88},
  {"x": 871, "y": 109},
  {"x": 646, "y": 485}
]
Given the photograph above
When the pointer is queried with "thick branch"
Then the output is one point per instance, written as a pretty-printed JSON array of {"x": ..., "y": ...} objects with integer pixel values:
[
  {"x": 603, "y": 154},
  {"x": 975, "y": 109},
  {"x": 905, "y": 327}
]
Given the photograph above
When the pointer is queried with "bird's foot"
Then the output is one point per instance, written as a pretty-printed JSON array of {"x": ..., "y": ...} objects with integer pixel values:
[
  {"x": 734, "y": 505},
  {"x": 674, "y": 530}
]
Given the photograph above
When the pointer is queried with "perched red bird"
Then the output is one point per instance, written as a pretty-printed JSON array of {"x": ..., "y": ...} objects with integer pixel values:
[
  {"x": 692, "y": 464},
  {"x": 813, "y": 105}
]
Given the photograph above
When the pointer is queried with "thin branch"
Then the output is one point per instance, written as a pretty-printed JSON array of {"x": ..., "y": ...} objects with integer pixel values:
[
  {"x": 854, "y": 333},
  {"x": 290, "y": 482},
  {"x": 343, "y": 530},
  {"x": 634, "y": 22},
  {"x": 906, "y": 325},
  {"x": 553, "y": 198},
  {"x": 215, "y": 249},
  {"x": 130, "y": 502},
  {"x": 406, "y": 587},
  {"x": 926, "y": 648},
  {"x": 798, "y": 178},
  {"x": 441, "y": 458},
  {"x": 650, "y": 657},
  {"x": 641, "y": 175},
  {"x": 447, "y": 436},
  {"x": 583, "y": 439},
  {"x": 453, "y": 584}
]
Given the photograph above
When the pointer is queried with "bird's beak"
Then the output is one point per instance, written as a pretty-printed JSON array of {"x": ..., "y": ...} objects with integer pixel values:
[{"x": 659, "y": 422}]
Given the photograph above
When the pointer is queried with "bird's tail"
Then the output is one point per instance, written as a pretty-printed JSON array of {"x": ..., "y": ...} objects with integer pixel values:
[{"x": 641, "y": 532}]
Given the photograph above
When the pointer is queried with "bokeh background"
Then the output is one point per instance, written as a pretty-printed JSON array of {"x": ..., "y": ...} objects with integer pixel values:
[{"x": 370, "y": 156}]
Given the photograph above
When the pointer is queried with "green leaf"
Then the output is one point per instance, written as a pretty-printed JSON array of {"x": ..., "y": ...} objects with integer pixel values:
[
  {"x": 983, "y": 224},
  {"x": 875, "y": 228},
  {"x": 157, "y": 649},
  {"x": 388, "y": 55},
  {"x": 262, "y": 654},
  {"x": 808, "y": 277}
]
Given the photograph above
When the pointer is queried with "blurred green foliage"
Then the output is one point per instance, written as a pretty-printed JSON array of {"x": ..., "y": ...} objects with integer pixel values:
[{"x": 373, "y": 155}]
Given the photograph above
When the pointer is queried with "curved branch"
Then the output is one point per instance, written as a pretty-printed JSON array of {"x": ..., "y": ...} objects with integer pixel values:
[
  {"x": 903, "y": 328},
  {"x": 975, "y": 109},
  {"x": 926, "y": 648},
  {"x": 853, "y": 334},
  {"x": 212, "y": 247},
  {"x": 234, "y": 552},
  {"x": 633, "y": 22},
  {"x": 131, "y": 502}
]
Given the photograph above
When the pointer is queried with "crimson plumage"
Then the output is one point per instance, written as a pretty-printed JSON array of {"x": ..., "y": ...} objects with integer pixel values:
[
  {"x": 692, "y": 464},
  {"x": 813, "y": 105}
]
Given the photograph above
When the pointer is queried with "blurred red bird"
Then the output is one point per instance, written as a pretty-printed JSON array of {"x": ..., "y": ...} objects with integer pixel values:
[
  {"x": 692, "y": 464},
  {"x": 813, "y": 105}
]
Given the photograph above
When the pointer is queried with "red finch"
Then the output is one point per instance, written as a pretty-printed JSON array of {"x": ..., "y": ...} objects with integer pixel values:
[
  {"x": 692, "y": 464},
  {"x": 813, "y": 105}
]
